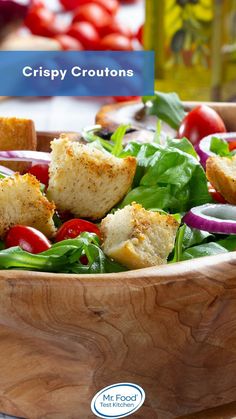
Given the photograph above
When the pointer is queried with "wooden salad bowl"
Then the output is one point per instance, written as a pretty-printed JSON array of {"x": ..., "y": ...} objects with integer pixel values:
[{"x": 169, "y": 329}]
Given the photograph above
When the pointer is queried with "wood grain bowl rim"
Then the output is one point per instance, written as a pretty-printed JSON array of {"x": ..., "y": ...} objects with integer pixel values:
[{"x": 164, "y": 273}]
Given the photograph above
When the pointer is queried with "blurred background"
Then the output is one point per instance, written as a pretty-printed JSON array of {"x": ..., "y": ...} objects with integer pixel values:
[{"x": 194, "y": 42}]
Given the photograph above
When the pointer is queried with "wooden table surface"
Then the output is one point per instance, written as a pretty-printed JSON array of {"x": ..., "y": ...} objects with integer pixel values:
[{"x": 224, "y": 412}]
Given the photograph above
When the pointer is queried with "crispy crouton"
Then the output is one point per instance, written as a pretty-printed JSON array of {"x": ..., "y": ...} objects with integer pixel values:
[
  {"x": 22, "y": 202},
  {"x": 221, "y": 173},
  {"x": 138, "y": 238},
  {"x": 86, "y": 181},
  {"x": 17, "y": 134}
]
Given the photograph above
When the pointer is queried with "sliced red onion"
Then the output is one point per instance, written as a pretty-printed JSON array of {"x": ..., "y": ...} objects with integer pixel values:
[
  {"x": 203, "y": 148},
  {"x": 215, "y": 218},
  {"x": 5, "y": 171},
  {"x": 38, "y": 157}
]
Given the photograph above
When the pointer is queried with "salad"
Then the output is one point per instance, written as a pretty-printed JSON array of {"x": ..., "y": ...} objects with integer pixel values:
[{"x": 105, "y": 204}]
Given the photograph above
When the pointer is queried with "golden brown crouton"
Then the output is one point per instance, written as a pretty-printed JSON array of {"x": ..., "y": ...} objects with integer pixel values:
[
  {"x": 22, "y": 202},
  {"x": 17, "y": 134},
  {"x": 138, "y": 238},
  {"x": 86, "y": 181},
  {"x": 221, "y": 173}
]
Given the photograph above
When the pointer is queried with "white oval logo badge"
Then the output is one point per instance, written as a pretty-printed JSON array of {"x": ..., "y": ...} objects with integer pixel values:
[{"x": 118, "y": 400}]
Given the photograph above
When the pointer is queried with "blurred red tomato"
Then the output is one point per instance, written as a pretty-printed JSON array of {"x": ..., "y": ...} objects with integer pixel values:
[
  {"x": 199, "y": 123},
  {"x": 111, "y": 6},
  {"x": 85, "y": 33},
  {"x": 73, "y": 228},
  {"x": 28, "y": 238},
  {"x": 41, "y": 172},
  {"x": 115, "y": 26},
  {"x": 139, "y": 34},
  {"x": 42, "y": 21},
  {"x": 116, "y": 42},
  {"x": 125, "y": 98},
  {"x": 68, "y": 43},
  {"x": 232, "y": 145},
  {"x": 216, "y": 196},
  {"x": 93, "y": 13}
]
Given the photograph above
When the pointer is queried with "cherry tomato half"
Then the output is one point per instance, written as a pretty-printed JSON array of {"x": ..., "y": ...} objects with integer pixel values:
[
  {"x": 73, "y": 228},
  {"x": 41, "y": 172},
  {"x": 42, "y": 21},
  {"x": 125, "y": 98},
  {"x": 232, "y": 145},
  {"x": 199, "y": 123},
  {"x": 28, "y": 238},
  {"x": 93, "y": 13},
  {"x": 116, "y": 42},
  {"x": 68, "y": 43},
  {"x": 216, "y": 196},
  {"x": 85, "y": 33},
  {"x": 139, "y": 34},
  {"x": 116, "y": 26},
  {"x": 111, "y": 6}
]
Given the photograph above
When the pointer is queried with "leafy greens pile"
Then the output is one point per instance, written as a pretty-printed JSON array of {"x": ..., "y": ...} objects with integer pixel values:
[
  {"x": 192, "y": 243},
  {"x": 63, "y": 257},
  {"x": 168, "y": 177}
]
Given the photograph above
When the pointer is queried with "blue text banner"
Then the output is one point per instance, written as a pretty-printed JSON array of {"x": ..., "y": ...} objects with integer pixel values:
[{"x": 76, "y": 73}]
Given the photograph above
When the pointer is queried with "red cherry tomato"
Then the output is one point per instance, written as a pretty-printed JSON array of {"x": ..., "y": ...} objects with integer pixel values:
[
  {"x": 199, "y": 123},
  {"x": 94, "y": 14},
  {"x": 85, "y": 33},
  {"x": 216, "y": 196},
  {"x": 111, "y": 6},
  {"x": 139, "y": 34},
  {"x": 232, "y": 145},
  {"x": 72, "y": 228},
  {"x": 42, "y": 21},
  {"x": 116, "y": 42},
  {"x": 68, "y": 43},
  {"x": 125, "y": 98},
  {"x": 28, "y": 238},
  {"x": 41, "y": 172},
  {"x": 116, "y": 26}
]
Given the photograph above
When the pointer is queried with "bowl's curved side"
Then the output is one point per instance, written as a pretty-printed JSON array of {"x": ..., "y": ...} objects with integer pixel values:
[{"x": 171, "y": 330}]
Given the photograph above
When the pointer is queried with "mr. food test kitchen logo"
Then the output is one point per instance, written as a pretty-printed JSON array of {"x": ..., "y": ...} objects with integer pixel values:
[{"x": 118, "y": 400}]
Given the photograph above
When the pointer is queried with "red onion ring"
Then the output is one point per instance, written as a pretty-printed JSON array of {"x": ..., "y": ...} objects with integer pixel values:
[
  {"x": 215, "y": 218},
  {"x": 5, "y": 171},
  {"x": 203, "y": 147},
  {"x": 38, "y": 157}
]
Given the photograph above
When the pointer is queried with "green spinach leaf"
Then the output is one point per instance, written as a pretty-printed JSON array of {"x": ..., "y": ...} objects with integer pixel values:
[
  {"x": 167, "y": 177},
  {"x": 220, "y": 147},
  {"x": 166, "y": 106}
]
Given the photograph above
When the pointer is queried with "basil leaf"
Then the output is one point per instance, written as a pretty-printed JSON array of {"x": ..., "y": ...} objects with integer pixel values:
[
  {"x": 228, "y": 243},
  {"x": 184, "y": 145},
  {"x": 194, "y": 236},
  {"x": 117, "y": 139},
  {"x": 62, "y": 257},
  {"x": 207, "y": 249},
  {"x": 167, "y": 107},
  {"x": 178, "y": 249},
  {"x": 167, "y": 178},
  {"x": 220, "y": 147}
]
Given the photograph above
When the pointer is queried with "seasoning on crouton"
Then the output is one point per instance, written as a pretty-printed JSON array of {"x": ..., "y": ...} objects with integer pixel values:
[
  {"x": 86, "y": 181},
  {"x": 22, "y": 202},
  {"x": 221, "y": 173},
  {"x": 17, "y": 134},
  {"x": 138, "y": 238}
]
